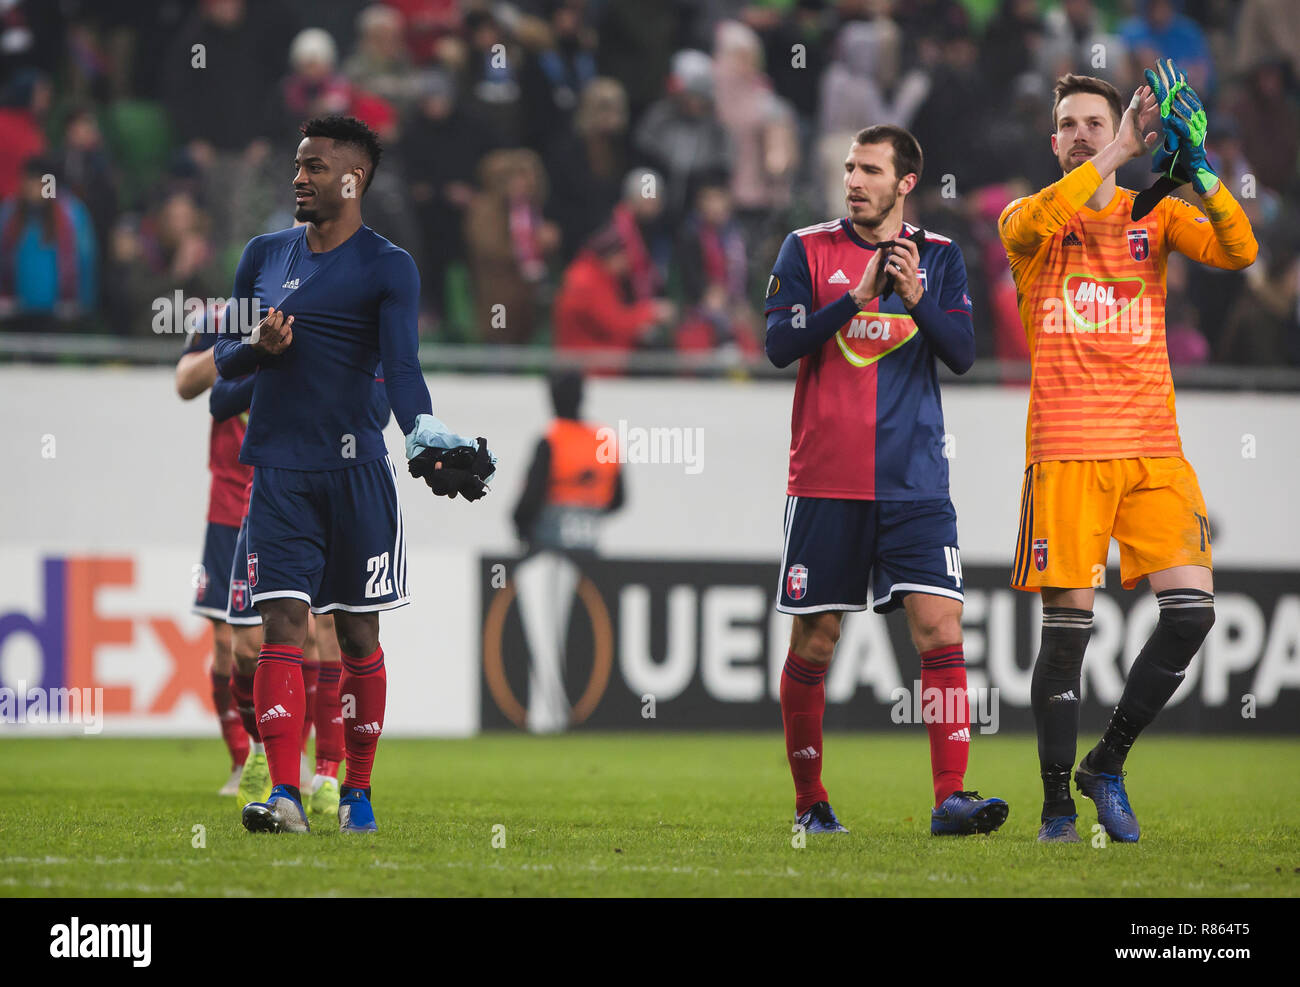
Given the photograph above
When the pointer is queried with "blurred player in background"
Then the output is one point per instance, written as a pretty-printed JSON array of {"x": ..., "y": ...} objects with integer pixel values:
[
  {"x": 1104, "y": 454},
  {"x": 574, "y": 482},
  {"x": 867, "y": 304},
  {"x": 196, "y": 372},
  {"x": 324, "y": 525}
]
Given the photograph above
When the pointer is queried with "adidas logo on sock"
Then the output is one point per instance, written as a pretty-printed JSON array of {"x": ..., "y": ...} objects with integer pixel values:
[
  {"x": 839, "y": 277},
  {"x": 371, "y": 728},
  {"x": 962, "y": 735},
  {"x": 1064, "y": 697},
  {"x": 806, "y": 754},
  {"x": 273, "y": 713}
]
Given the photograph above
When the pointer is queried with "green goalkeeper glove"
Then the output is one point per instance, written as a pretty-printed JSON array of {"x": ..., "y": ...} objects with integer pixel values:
[{"x": 1185, "y": 122}]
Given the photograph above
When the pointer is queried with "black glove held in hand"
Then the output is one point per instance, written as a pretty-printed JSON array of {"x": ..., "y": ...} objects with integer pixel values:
[{"x": 463, "y": 470}]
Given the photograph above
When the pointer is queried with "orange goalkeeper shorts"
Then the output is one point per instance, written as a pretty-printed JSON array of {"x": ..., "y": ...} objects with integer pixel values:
[{"x": 1070, "y": 509}]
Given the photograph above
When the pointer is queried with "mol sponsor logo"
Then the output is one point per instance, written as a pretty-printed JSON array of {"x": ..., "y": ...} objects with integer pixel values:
[
  {"x": 871, "y": 335},
  {"x": 102, "y": 623},
  {"x": 1100, "y": 304}
]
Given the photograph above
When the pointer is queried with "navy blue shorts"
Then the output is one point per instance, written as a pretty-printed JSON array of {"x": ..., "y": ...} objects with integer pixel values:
[
  {"x": 211, "y": 580},
  {"x": 332, "y": 538},
  {"x": 239, "y": 607},
  {"x": 836, "y": 549}
]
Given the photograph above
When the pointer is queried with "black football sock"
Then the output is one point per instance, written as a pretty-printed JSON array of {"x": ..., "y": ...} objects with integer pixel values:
[
  {"x": 1054, "y": 695},
  {"x": 1186, "y": 616}
]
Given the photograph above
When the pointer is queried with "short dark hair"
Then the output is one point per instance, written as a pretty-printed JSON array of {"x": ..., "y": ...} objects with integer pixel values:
[
  {"x": 1068, "y": 85},
  {"x": 351, "y": 131},
  {"x": 566, "y": 392},
  {"x": 907, "y": 151}
]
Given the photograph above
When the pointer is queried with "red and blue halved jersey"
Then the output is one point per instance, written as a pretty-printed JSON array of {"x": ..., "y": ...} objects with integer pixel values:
[
  {"x": 230, "y": 477},
  {"x": 867, "y": 422}
]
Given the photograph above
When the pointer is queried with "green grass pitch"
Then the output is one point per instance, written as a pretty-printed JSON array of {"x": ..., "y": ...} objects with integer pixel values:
[{"x": 608, "y": 814}]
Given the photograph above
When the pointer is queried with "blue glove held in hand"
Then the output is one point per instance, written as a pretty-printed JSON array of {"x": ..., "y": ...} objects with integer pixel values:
[{"x": 430, "y": 433}]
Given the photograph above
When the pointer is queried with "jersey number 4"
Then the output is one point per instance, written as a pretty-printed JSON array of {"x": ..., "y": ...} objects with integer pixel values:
[
  {"x": 953, "y": 560},
  {"x": 379, "y": 583}
]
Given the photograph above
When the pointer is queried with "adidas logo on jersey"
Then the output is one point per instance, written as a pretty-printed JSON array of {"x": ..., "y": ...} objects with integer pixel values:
[
  {"x": 1064, "y": 697},
  {"x": 1071, "y": 240},
  {"x": 839, "y": 277},
  {"x": 962, "y": 735},
  {"x": 806, "y": 754},
  {"x": 290, "y": 284},
  {"x": 274, "y": 713},
  {"x": 371, "y": 728}
]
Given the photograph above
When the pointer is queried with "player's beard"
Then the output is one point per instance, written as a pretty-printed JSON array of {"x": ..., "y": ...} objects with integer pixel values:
[
  {"x": 1068, "y": 163},
  {"x": 306, "y": 214},
  {"x": 875, "y": 219}
]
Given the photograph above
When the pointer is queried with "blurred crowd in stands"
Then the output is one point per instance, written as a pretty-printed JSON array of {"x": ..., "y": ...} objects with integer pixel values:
[{"x": 602, "y": 173}]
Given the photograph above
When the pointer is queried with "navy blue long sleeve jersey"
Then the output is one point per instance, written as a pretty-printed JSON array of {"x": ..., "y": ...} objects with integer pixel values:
[{"x": 353, "y": 305}]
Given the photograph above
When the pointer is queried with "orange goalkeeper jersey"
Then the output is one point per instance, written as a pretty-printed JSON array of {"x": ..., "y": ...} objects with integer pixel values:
[{"x": 1091, "y": 287}]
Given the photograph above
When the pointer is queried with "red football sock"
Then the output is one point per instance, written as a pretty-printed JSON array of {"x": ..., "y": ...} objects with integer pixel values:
[
  {"x": 232, "y": 730},
  {"x": 310, "y": 673},
  {"x": 947, "y": 717},
  {"x": 329, "y": 721},
  {"x": 241, "y": 691},
  {"x": 366, "y": 683},
  {"x": 803, "y": 701},
  {"x": 279, "y": 696}
]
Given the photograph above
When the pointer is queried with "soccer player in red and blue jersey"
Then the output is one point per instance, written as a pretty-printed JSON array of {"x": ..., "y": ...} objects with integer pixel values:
[
  {"x": 324, "y": 527},
  {"x": 867, "y": 304},
  {"x": 196, "y": 373}
]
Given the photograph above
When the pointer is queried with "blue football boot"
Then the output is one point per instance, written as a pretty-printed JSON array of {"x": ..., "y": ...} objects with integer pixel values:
[
  {"x": 280, "y": 813},
  {"x": 965, "y": 813},
  {"x": 1113, "y": 811},
  {"x": 355, "y": 814},
  {"x": 1059, "y": 829},
  {"x": 820, "y": 819}
]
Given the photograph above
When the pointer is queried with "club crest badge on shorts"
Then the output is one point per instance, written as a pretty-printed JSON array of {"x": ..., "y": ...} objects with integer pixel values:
[
  {"x": 200, "y": 582},
  {"x": 796, "y": 582},
  {"x": 1040, "y": 554},
  {"x": 252, "y": 570},
  {"x": 239, "y": 595}
]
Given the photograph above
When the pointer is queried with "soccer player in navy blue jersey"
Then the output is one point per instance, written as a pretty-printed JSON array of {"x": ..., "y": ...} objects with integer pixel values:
[
  {"x": 868, "y": 304},
  {"x": 328, "y": 300}
]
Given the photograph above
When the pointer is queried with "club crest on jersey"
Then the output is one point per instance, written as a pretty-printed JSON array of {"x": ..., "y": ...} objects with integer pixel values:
[
  {"x": 1040, "y": 554},
  {"x": 239, "y": 595},
  {"x": 252, "y": 569},
  {"x": 796, "y": 582},
  {"x": 1139, "y": 247}
]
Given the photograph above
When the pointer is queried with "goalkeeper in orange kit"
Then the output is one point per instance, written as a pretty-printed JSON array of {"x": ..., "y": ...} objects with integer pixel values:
[{"x": 1104, "y": 457}]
